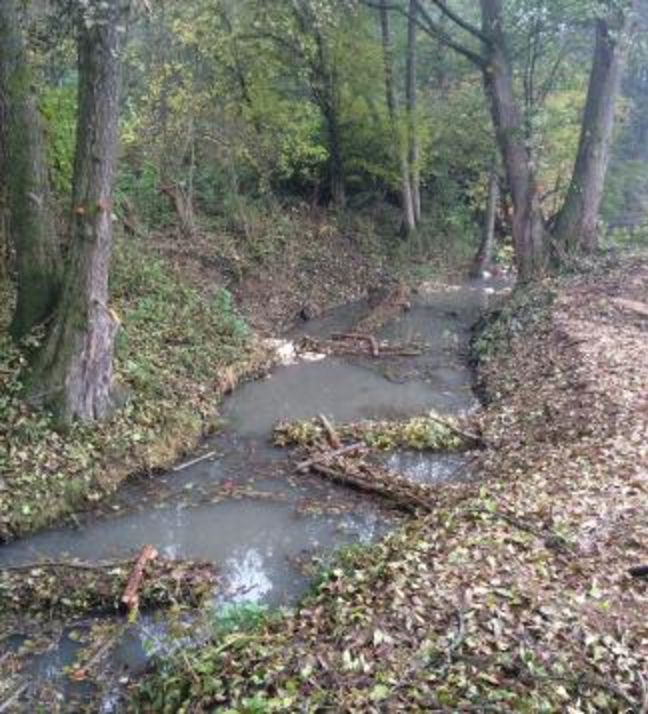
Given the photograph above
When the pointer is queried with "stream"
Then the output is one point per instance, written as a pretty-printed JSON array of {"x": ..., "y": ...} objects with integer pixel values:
[{"x": 245, "y": 509}]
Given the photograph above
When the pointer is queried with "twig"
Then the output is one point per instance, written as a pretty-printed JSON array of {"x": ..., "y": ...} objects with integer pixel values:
[
  {"x": 7, "y": 704},
  {"x": 72, "y": 564},
  {"x": 197, "y": 460},
  {"x": 551, "y": 539}
]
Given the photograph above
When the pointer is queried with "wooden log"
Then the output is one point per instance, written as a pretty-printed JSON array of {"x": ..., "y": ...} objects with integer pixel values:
[
  {"x": 405, "y": 494},
  {"x": 130, "y": 598}
]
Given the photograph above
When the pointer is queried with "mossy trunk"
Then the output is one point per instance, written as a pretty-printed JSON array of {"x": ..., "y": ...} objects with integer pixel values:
[
  {"x": 528, "y": 227},
  {"x": 74, "y": 375},
  {"x": 23, "y": 173},
  {"x": 576, "y": 225}
]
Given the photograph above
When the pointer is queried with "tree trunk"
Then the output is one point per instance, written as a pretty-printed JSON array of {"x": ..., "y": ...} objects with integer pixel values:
[
  {"x": 484, "y": 256},
  {"x": 74, "y": 375},
  {"x": 413, "y": 158},
  {"x": 576, "y": 226},
  {"x": 24, "y": 173},
  {"x": 529, "y": 234},
  {"x": 407, "y": 205},
  {"x": 336, "y": 164}
]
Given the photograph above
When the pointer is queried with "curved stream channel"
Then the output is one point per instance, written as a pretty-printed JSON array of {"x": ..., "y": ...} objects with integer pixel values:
[{"x": 246, "y": 509}]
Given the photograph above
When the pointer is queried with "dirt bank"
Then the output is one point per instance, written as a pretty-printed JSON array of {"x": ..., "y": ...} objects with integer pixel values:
[
  {"x": 514, "y": 594},
  {"x": 191, "y": 316}
]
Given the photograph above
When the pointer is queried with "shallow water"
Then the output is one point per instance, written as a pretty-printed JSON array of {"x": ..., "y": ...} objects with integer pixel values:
[{"x": 246, "y": 510}]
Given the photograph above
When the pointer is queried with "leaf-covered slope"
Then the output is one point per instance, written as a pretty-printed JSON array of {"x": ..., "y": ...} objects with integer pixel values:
[{"x": 514, "y": 594}]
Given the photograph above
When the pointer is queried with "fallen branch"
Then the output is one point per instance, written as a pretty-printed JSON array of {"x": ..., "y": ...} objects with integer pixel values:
[
  {"x": 130, "y": 598},
  {"x": 407, "y": 495},
  {"x": 370, "y": 339},
  {"x": 196, "y": 461},
  {"x": 6, "y": 705},
  {"x": 332, "y": 436},
  {"x": 65, "y": 564},
  {"x": 551, "y": 539}
]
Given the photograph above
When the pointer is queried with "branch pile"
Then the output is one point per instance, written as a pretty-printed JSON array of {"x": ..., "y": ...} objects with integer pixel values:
[
  {"x": 66, "y": 588},
  {"x": 425, "y": 433},
  {"x": 360, "y": 345}
]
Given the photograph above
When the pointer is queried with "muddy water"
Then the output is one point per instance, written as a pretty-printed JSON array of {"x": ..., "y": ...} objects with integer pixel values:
[{"x": 245, "y": 509}]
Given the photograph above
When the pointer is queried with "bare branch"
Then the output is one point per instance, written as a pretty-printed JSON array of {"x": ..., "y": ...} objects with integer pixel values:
[
  {"x": 431, "y": 28},
  {"x": 458, "y": 20}
]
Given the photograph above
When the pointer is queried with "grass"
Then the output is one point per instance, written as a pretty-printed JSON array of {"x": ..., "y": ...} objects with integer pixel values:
[{"x": 174, "y": 346}]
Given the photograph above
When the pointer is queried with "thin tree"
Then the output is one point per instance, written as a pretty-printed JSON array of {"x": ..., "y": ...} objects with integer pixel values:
[
  {"x": 484, "y": 257},
  {"x": 23, "y": 173},
  {"x": 413, "y": 158},
  {"x": 74, "y": 375},
  {"x": 400, "y": 149},
  {"x": 488, "y": 48}
]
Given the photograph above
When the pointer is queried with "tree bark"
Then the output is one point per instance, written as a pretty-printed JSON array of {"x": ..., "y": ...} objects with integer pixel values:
[
  {"x": 575, "y": 228},
  {"x": 529, "y": 234},
  {"x": 74, "y": 375},
  {"x": 23, "y": 172},
  {"x": 413, "y": 158},
  {"x": 484, "y": 256},
  {"x": 407, "y": 205}
]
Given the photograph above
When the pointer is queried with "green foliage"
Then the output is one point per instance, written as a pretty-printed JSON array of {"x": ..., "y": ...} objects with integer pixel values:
[
  {"x": 138, "y": 188},
  {"x": 238, "y": 617},
  {"x": 172, "y": 347},
  {"x": 58, "y": 107}
]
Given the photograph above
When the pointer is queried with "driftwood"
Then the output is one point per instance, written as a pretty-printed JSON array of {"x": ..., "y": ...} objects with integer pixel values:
[
  {"x": 332, "y": 436},
  {"x": 369, "y": 478},
  {"x": 21, "y": 686},
  {"x": 352, "y": 344},
  {"x": 370, "y": 339},
  {"x": 195, "y": 462},
  {"x": 130, "y": 598}
]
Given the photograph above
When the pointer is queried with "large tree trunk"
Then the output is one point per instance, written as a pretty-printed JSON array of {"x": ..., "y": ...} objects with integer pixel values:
[
  {"x": 484, "y": 257},
  {"x": 24, "y": 174},
  {"x": 413, "y": 158},
  {"x": 576, "y": 226},
  {"x": 74, "y": 375},
  {"x": 407, "y": 205},
  {"x": 529, "y": 235}
]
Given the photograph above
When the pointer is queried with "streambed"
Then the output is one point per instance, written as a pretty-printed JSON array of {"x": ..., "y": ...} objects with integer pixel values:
[{"x": 246, "y": 509}]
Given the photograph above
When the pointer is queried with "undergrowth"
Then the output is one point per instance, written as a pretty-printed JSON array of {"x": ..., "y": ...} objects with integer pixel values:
[{"x": 172, "y": 349}]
